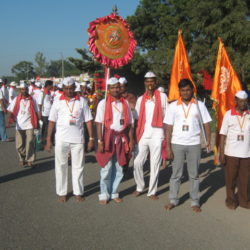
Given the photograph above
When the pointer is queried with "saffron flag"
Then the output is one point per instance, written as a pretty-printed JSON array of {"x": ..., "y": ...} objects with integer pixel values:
[
  {"x": 180, "y": 69},
  {"x": 225, "y": 85}
]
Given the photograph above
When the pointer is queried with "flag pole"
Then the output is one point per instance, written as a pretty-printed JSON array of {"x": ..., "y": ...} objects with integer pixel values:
[
  {"x": 107, "y": 75},
  {"x": 201, "y": 124}
]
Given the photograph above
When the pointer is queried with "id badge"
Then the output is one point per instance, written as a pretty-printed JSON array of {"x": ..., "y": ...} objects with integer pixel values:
[
  {"x": 72, "y": 122},
  {"x": 185, "y": 127},
  {"x": 240, "y": 137},
  {"x": 121, "y": 121}
]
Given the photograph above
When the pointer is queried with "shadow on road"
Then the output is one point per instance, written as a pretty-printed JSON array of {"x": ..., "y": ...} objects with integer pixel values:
[{"x": 38, "y": 168}]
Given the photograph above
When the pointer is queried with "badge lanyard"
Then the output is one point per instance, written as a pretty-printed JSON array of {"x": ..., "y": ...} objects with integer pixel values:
[
  {"x": 71, "y": 110},
  {"x": 241, "y": 124},
  {"x": 184, "y": 111},
  {"x": 121, "y": 112}
]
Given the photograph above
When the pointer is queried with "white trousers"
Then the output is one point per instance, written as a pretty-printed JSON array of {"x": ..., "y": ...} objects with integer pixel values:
[
  {"x": 62, "y": 150},
  {"x": 154, "y": 146}
]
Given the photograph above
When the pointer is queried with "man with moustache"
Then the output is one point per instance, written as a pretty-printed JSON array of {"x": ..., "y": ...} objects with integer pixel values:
[
  {"x": 115, "y": 141},
  {"x": 69, "y": 113},
  {"x": 150, "y": 111},
  {"x": 235, "y": 152},
  {"x": 183, "y": 141}
]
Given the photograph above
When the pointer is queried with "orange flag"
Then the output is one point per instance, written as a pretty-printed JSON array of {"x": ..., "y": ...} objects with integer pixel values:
[
  {"x": 225, "y": 85},
  {"x": 180, "y": 69}
]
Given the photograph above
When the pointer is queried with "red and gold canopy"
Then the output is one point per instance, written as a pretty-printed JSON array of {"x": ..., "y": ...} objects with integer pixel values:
[{"x": 110, "y": 41}]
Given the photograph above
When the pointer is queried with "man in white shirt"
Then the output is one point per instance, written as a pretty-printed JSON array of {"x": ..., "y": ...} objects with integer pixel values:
[
  {"x": 45, "y": 103},
  {"x": 32, "y": 87},
  {"x": 69, "y": 113},
  {"x": 12, "y": 92},
  {"x": 115, "y": 141},
  {"x": 24, "y": 111},
  {"x": 5, "y": 91},
  {"x": 235, "y": 152},
  {"x": 184, "y": 118},
  {"x": 150, "y": 111},
  {"x": 37, "y": 91},
  {"x": 3, "y": 134}
]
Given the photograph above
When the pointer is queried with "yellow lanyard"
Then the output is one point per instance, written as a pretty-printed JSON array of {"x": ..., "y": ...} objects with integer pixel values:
[
  {"x": 70, "y": 110},
  {"x": 241, "y": 124},
  {"x": 117, "y": 108},
  {"x": 184, "y": 110}
]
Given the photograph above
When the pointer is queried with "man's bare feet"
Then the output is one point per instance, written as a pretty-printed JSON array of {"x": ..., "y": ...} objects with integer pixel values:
[
  {"x": 169, "y": 206},
  {"x": 196, "y": 209},
  {"x": 62, "y": 198},
  {"x": 153, "y": 197},
  {"x": 231, "y": 206},
  {"x": 21, "y": 164},
  {"x": 136, "y": 193},
  {"x": 117, "y": 200},
  {"x": 30, "y": 164},
  {"x": 79, "y": 198},
  {"x": 103, "y": 202}
]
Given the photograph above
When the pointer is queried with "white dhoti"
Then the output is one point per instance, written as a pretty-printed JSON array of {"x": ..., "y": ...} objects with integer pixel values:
[
  {"x": 62, "y": 150},
  {"x": 154, "y": 146}
]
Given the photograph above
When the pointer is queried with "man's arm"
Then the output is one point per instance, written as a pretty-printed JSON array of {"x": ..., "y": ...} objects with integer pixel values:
[
  {"x": 99, "y": 137},
  {"x": 131, "y": 139},
  {"x": 89, "y": 125},
  {"x": 3, "y": 105},
  {"x": 49, "y": 136},
  {"x": 207, "y": 128},
  {"x": 222, "y": 149},
  {"x": 169, "y": 131}
]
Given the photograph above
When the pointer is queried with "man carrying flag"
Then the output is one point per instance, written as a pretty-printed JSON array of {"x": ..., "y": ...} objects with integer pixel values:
[
  {"x": 183, "y": 141},
  {"x": 186, "y": 118},
  {"x": 235, "y": 153}
]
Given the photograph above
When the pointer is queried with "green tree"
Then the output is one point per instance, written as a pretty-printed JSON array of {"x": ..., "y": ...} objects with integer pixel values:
[
  {"x": 86, "y": 63},
  {"x": 156, "y": 22},
  {"x": 23, "y": 70},
  {"x": 40, "y": 64}
]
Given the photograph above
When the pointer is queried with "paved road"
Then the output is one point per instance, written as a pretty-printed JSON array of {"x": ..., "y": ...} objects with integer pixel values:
[{"x": 31, "y": 217}]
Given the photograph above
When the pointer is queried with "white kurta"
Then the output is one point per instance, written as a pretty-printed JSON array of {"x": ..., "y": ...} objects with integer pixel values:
[
  {"x": 69, "y": 117},
  {"x": 151, "y": 142}
]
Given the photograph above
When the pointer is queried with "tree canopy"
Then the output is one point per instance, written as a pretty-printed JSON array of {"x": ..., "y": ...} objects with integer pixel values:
[{"x": 156, "y": 22}]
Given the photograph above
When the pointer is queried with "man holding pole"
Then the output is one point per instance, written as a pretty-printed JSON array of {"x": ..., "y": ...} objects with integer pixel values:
[
  {"x": 115, "y": 140},
  {"x": 235, "y": 152},
  {"x": 183, "y": 119}
]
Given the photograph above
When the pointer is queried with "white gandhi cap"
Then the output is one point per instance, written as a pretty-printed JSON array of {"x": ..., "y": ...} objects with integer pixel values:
[
  {"x": 241, "y": 94},
  {"x": 13, "y": 84},
  {"x": 112, "y": 81},
  {"x": 83, "y": 83},
  {"x": 150, "y": 74},
  {"x": 23, "y": 85},
  {"x": 38, "y": 84},
  {"x": 68, "y": 81},
  {"x": 122, "y": 80}
]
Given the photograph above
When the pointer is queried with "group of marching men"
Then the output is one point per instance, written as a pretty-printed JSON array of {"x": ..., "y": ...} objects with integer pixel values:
[{"x": 158, "y": 130}]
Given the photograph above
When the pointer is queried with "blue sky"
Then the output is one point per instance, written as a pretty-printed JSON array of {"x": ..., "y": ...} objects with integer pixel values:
[{"x": 50, "y": 26}]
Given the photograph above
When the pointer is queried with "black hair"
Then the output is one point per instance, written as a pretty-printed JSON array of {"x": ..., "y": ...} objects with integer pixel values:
[
  {"x": 184, "y": 83},
  {"x": 48, "y": 83}
]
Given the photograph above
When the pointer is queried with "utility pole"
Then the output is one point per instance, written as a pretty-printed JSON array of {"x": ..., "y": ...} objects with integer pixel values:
[{"x": 62, "y": 65}]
